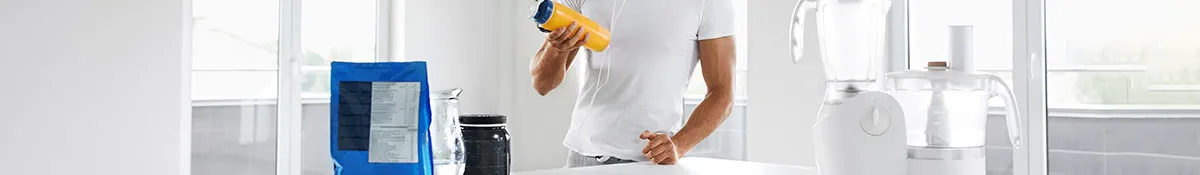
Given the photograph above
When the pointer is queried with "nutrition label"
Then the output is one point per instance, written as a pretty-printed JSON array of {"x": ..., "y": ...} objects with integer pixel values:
[{"x": 395, "y": 110}]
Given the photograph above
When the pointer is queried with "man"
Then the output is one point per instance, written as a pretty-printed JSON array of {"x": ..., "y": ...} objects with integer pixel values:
[{"x": 631, "y": 105}]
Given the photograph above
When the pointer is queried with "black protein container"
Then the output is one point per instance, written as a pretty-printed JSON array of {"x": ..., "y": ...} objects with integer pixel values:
[{"x": 487, "y": 145}]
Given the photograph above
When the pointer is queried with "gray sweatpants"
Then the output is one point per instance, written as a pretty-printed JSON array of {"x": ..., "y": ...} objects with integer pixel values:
[{"x": 575, "y": 160}]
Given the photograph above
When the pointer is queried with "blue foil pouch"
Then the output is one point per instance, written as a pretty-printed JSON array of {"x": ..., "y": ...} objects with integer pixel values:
[{"x": 379, "y": 118}]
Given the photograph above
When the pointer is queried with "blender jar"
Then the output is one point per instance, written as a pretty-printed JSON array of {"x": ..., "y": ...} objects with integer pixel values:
[{"x": 850, "y": 37}]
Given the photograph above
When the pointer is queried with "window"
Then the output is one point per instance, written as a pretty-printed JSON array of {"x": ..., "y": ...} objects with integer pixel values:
[
  {"x": 1143, "y": 57},
  {"x": 1122, "y": 90},
  {"x": 334, "y": 30},
  {"x": 331, "y": 30},
  {"x": 238, "y": 46},
  {"x": 235, "y": 49},
  {"x": 235, "y": 55}
]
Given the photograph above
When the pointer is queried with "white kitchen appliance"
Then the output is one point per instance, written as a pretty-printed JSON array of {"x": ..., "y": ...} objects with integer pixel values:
[
  {"x": 859, "y": 130},
  {"x": 946, "y": 111}
]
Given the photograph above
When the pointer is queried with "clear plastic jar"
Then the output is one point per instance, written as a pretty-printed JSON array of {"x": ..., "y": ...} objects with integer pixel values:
[
  {"x": 946, "y": 108},
  {"x": 447, "y": 139}
]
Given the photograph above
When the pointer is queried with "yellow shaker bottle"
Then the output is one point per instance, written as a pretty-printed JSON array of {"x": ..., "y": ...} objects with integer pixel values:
[{"x": 552, "y": 16}]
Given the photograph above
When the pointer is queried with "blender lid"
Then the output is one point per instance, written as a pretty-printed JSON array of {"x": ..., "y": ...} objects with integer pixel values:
[{"x": 936, "y": 70}]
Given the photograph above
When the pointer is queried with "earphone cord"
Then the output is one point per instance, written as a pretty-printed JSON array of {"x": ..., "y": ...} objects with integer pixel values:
[{"x": 606, "y": 69}]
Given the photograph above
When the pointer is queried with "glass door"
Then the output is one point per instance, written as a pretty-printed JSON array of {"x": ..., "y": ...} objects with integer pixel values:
[
  {"x": 235, "y": 55},
  {"x": 1123, "y": 89},
  {"x": 331, "y": 30},
  {"x": 261, "y": 80}
]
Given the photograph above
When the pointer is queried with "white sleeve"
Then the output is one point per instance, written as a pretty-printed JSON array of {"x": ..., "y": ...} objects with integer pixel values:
[
  {"x": 716, "y": 19},
  {"x": 573, "y": 4}
]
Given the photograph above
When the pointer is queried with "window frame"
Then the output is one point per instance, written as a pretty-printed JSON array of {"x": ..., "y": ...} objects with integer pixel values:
[
  {"x": 287, "y": 145},
  {"x": 290, "y": 76},
  {"x": 1029, "y": 48},
  {"x": 289, "y": 158}
]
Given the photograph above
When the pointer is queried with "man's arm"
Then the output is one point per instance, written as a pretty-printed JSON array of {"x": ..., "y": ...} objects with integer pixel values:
[
  {"x": 717, "y": 61},
  {"x": 552, "y": 60},
  {"x": 716, "y": 64},
  {"x": 716, "y": 47}
]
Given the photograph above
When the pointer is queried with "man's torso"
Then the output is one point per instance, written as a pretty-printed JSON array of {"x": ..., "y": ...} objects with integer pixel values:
[{"x": 638, "y": 83}]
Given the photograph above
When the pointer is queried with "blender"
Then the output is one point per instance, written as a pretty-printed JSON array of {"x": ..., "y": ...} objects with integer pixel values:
[
  {"x": 859, "y": 130},
  {"x": 945, "y": 107}
]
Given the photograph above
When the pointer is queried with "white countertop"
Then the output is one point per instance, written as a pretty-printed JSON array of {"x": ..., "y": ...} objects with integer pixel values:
[{"x": 685, "y": 166}]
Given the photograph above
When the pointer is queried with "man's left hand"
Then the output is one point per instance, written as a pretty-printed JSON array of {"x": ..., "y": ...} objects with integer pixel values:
[{"x": 661, "y": 149}]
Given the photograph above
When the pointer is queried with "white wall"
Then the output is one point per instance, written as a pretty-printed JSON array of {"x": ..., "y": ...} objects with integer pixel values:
[
  {"x": 783, "y": 97},
  {"x": 484, "y": 47},
  {"x": 542, "y": 121},
  {"x": 461, "y": 40},
  {"x": 93, "y": 87}
]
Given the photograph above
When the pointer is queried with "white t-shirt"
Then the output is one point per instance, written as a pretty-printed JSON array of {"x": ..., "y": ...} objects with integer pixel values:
[{"x": 649, "y": 61}]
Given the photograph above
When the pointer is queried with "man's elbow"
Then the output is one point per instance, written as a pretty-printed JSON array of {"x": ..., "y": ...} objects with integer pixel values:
[
  {"x": 541, "y": 81},
  {"x": 722, "y": 94},
  {"x": 543, "y": 88},
  {"x": 724, "y": 98},
  {"x": 542, "y": 91}
]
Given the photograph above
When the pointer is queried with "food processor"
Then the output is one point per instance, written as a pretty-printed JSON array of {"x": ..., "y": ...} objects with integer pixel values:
[
  {"x": 859, "y": 130},
  {"x": 946, "y": 111},
  {"x": 930, "y": 121}
]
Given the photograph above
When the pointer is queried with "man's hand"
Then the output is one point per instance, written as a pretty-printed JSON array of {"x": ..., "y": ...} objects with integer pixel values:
[
  {"x": 567, "y": 38},
  {"x": 552, "y": 60},
  {"x": 661, "y": 149}
]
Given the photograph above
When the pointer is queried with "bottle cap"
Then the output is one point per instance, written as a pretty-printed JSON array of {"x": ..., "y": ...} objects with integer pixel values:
[{"x": 541, "y": 11}]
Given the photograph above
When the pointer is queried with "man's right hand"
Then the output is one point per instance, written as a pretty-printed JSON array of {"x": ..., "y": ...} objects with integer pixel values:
[
  {"x": 550, "y": 64},
  {"x": 567, "y": 39}
]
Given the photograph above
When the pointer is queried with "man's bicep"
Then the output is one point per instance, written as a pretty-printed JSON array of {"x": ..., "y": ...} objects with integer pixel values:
[{"x": 717, "y": 61}]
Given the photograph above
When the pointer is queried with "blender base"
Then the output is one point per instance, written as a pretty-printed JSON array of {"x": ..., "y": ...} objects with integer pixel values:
[
  {"x": 863, "y": 135},
  {"x": 947, "y": 167}
]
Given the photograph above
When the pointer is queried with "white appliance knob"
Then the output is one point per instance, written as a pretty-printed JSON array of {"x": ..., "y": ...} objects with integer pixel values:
[{"x": 876, "y": 123}]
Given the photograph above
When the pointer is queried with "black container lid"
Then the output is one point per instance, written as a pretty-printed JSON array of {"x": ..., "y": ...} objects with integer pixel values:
[{"x": 482, "y": 119}]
